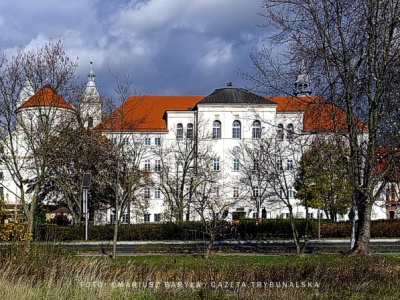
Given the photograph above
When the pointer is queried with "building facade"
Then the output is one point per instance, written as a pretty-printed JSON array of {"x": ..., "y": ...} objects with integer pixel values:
[{"x": 229, "y": 154}]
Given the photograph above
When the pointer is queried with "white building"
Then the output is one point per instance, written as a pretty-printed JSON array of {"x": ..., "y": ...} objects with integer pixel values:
[{"x": 219, "y": 127}]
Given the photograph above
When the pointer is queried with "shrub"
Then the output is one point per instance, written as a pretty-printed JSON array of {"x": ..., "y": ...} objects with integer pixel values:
[{"x": 15, "y": 230}]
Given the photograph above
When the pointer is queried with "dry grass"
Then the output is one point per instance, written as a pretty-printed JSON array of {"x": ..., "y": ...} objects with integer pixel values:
[{"x": 49, "y": 273}]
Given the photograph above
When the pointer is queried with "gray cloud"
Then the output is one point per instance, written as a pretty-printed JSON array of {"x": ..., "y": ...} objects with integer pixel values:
[{"x": 167, "y": 46}]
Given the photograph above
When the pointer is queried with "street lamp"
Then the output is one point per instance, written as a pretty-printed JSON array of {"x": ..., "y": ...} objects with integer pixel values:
[{"x": 85, "y": 187}]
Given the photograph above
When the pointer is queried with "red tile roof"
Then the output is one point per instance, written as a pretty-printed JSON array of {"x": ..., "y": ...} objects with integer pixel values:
[
  {"x": 146, "y": 113},
  {"x": 46, "y": 97},
  {"x": 319, "y": 115}
]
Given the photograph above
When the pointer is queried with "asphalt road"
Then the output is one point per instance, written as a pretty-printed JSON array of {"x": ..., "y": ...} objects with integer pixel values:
[{"x": 253, "y": 246}]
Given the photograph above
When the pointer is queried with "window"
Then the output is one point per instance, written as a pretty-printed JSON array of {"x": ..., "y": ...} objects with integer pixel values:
[
  {"x": 290, "y": 132},
  {"x": 146, "y": 218},
  {"x": 114, "y": 140},
  {"x": 124, "y": 219},
  {"x": 256, "y": 164},
  {"x": 157, "y": 165},
  {"x": 187, "y": 193},
  {"x": 235, "y": 192},
  {"x": 157, "y": 193},
  {"x": 256, "y": 191},
  {"x": 236, "y": 130},
  {"x": 215, "y": 191},
  {"x": 90, "y": 122},
  {"x": 255, "y": 215},
  {"x": 1, "y": 192},
  {"x": 279, "y": 166},
  {"x": 189, "y": 131},
  {"x": 310, "y": 215},
  {"x": 147, "y": 192},
  {"x": 157, "y": 217},
  {"x": 157, "y": 141},
  {"x": 256, "y": 130},
  {"x": 147, "y": 165},
  {"x": 290, "y": 192},
  {"x": 42, "y": 121},
  {"x": 147, "y": 141},
  {"x": 125, "y": 141},
  {"x": 279, "y": 134},
  {"x": 112, "y": 218},
  {"x": 179, "y": 131},
  {"x": 216, "y": 165},
  {"x": 217, "y": 130},
  {"x": 289, "y": 165},
  {"x": 179, "y": 167},
  {"x": 236, "y": 164}
]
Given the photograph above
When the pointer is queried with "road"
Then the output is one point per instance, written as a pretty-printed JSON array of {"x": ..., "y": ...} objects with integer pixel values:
[{"x": 253, "y": 246}]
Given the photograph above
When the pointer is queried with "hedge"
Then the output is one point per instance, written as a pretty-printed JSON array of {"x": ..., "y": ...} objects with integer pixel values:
[
  {"x": 134, "y": 232},
  {"x": 247, "y": 229}
]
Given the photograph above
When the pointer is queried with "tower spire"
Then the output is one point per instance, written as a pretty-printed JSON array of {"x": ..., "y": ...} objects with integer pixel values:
[
  {"x": 302, "y": 83},
  {"x": 91, "y": 106},
  {"x": 91, "y": 76}
]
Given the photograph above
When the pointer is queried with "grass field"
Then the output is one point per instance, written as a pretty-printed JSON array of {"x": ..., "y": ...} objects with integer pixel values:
[{"x": 52, "y": 273}]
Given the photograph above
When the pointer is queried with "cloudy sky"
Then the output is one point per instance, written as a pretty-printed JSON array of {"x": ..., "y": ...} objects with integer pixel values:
[{"x": 170, "y": 47}]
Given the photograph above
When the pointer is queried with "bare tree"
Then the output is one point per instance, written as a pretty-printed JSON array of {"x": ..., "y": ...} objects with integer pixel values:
[
  {"x": 268, "y": 170},
  {"x": 353, "y": 51},
  {"x": 122, "y": 127},
  {"x": 251, "y": 161},
  {"x": 182, "y": 159},
  {"x": 27, "y": 127}
]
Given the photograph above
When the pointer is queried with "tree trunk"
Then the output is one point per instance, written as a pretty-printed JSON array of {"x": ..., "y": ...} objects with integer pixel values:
[
  {"x": 209, "y": 245},
  {"x": 295, "y": 233},
  {"x": 115, "y": 237},
  {"x": 363, "y": 232}
]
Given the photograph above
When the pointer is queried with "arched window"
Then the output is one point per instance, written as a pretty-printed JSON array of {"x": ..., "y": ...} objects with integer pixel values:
[
  {"x": 290, "y": 132},
  {"x": 279, "y": 134},
  {"x": 236, "y": 130},
  {"x": 256, "y": 130},
  {"x": 179, "y": 131},
  {"x": 216, "y": 130},
  {"x": 189, "y": 132}
]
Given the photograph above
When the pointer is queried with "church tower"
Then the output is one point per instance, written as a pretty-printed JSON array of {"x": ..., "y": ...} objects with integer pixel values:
[
  {"x": 302, "y": 86},
  {"x": 91, "y": 106}
]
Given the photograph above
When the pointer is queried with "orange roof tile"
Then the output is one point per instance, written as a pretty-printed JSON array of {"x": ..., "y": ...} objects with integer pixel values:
[
  {"x": 319, "y": 115},
  {"x": 146, "y": 113},
  {"x": 46, "y": 97}
]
